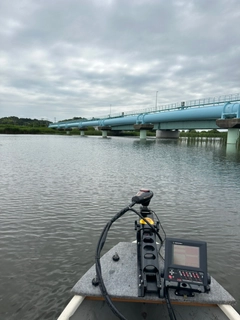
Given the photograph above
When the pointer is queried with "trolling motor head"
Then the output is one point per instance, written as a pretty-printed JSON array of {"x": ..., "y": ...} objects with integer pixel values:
[{"x": 143, "y": 197}]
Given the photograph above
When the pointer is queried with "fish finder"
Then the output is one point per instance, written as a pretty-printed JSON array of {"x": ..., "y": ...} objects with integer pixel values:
[{"x": 186, "y": 266}]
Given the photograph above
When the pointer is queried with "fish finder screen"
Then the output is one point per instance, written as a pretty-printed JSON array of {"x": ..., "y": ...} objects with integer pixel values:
[{"x": 186, "y": 255}]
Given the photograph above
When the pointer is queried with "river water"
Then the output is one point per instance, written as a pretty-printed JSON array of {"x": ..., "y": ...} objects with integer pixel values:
[{"x": 58, "y": 192}]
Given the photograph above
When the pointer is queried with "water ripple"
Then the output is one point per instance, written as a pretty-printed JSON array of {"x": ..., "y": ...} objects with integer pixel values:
[{"x": 54, "y": 205}]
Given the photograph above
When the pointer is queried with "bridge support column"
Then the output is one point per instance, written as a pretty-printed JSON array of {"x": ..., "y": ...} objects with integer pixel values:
[
  {"x": 82, "y": 131},
  {"x": 68, "y": 130},
  {"x": 167, "y": 134},
  {"x": 104, "y": 133},
  {"x": 143, "y": 134},
  {"x": 232, "y": 125},
  {"x": 143, "y": 129},
  {"x": 104, "y": 130},
  {"x": 232, "y": 135}
]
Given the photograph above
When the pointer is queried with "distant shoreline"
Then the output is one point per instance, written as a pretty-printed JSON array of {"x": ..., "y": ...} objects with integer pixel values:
[{"x": 17, "y": 129}]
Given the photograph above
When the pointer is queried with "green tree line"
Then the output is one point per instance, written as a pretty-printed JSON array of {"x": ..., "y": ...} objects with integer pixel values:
[
  {"x": 15, "y": 125},
  {"x": 24, "y": 122}
]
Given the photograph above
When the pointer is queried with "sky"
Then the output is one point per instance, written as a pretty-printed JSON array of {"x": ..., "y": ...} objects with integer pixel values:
[{"x": 61, "y": 59}]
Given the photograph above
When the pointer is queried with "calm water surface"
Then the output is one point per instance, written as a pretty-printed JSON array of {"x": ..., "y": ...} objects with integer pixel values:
[{"x": 57, "y": 193}]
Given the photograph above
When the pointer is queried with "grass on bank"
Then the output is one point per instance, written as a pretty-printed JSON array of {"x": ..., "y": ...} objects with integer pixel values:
[{"x": 16, "y": 129}]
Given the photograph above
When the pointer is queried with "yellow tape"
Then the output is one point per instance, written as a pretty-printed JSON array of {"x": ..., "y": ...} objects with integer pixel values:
[{"x": 149, "y": 220}]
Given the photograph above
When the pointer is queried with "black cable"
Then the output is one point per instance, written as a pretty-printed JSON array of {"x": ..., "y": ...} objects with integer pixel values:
[
  {"x": 160, "y": 247},
  {"x": 171, "y": 312},
  {"x": 100, "y": 245},
  {"x": 159, "y": 223}
]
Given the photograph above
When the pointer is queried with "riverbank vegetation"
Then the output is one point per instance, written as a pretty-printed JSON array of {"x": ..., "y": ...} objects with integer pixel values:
[
  {"x": 15, "y": 125},
  {"x": 208, "y": 134}
]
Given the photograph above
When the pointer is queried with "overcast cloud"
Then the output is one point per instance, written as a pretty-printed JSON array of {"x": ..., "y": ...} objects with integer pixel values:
[{"x": 84, "y": 58}]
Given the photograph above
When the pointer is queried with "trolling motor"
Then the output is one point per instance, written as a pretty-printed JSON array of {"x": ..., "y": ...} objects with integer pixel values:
[
  {"x": 185, "y": 267},
  {"x": 149, "y": 275},
  {"x": 143, "y": 197}
]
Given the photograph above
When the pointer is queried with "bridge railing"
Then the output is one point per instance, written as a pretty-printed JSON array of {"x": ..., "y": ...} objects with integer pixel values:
[
  {"x": 181, "y": 105},
  {"x": 215, "y": 100}
]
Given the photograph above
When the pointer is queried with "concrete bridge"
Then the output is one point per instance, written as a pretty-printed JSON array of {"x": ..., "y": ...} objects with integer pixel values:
[{"x": 212, "y": 113}]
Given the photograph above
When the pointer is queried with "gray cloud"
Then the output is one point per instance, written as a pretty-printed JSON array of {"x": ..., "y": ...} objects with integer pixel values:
[{"x": 71, "y": 58}]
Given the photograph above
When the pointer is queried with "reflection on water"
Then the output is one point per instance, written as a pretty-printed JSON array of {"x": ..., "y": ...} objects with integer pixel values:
[{"x": 58, "y": 192}]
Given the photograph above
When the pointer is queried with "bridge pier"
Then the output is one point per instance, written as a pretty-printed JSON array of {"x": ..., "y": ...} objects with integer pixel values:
[
  {"x": 232, "y": 125},
  {"x": 143, "y": 128},
  {"x": 82, "y": 131},
  {"x": 104, "y": 130},
  {"x": 167, "y": 134},
  {"x": 143, "y": 134},
  {"x": 104, "y": 133},
  {"x": 232, "y": 135},
  {"x": 68, "y": 130}
]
